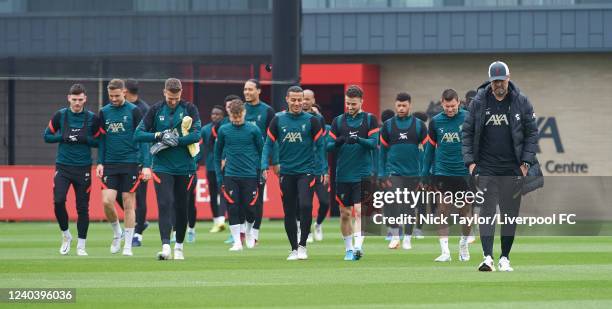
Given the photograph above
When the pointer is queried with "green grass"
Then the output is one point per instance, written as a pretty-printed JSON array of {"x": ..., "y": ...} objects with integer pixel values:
[{"x": 550, "y": 272}]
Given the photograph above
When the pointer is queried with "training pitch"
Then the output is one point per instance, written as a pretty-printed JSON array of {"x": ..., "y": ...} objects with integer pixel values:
[{"x": 550, "y": 272}]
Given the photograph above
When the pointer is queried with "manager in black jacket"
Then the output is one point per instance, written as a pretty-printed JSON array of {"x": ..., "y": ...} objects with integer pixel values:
[{"x": 499, "y": 139}]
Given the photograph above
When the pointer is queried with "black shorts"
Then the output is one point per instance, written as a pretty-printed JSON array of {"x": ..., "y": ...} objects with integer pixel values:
[
  {"x": 451, "y": 183},
  {"x": 348, "y": 193},
  {"x": 121, "y": 177}
]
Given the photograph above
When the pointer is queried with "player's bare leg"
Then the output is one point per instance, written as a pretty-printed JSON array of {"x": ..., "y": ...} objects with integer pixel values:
[
  {"x": 129, "y": 221},
  {"x": 443, "y": 210},
  {"x": 357, "y": 232},
  {"x": 108, "y": 200},
  {"x": 466, "y": 229},
  {"x": 346, "y": 227}
]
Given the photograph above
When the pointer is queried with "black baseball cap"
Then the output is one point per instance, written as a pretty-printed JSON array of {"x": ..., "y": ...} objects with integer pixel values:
[{"x": 498, "y": 71}]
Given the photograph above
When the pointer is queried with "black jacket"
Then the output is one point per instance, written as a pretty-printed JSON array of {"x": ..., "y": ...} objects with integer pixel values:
[{"x": 522, "y": 125}]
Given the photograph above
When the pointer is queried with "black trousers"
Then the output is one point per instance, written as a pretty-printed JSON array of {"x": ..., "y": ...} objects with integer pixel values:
[
  {"x": 260, "y": 203},
  {"x": 213, "y": 190},
  {"x": 241, "y": 195},
  {"x": 172, "y": 200},
  {"x": 297, "y": 191},
  {"x": 80, "y": 179},
  {"x": 141, "y": 207},
  {"x": 323, "y": 194},
  {"x": 504, "y": 191},
  {"x": 192, "y": 212}
]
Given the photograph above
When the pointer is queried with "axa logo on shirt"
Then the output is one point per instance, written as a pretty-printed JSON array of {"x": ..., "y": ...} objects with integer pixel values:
[
  {"x": 115, "y": 127},
  {"x": 293, "y": 137},
  {"x": 498, "y": 120},
  {"x": 451, "y": 137}
]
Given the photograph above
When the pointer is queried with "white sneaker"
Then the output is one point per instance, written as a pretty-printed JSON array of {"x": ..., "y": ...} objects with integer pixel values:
[
  {"x": 165, "y": 254},
  {"x": 237, "y": 246},
  {"x": 418, "y": 234},
  {"x": 464, "y": 251},
  {"x": 487, "y": 264},
  {"x": 249, "y": 240},
  {"x": 293, "y": 256},
  {"x": 115, "y": 245},
  {"x": 178, "y": 254},
  {"x": 127, "y": 251},
  {"x": 301, "y": 253},
  {"x": 310, "y": 238},
  {"x": 406, "y": 243},
  {"x": 394, "y": 243},
  {"x": 318, "y": 232},
  {"x": 81, "y": 252},
  {"x": 444, "y": 257},
  {"x": 504, "y": 264},
  {"x": 65, "y": 248}
]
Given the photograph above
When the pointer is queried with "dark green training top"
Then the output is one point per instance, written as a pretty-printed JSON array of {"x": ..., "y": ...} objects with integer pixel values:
[
  {"x": 76, "y": 133},
  {"x": 144, "y": 156},
  {"x": 242, "y": 146},
  {"x": 321, "y": 161},
  {"x": 261, "y": 115},
  {"x": 400, "y": 146},
  {"x": 444, "y": 146},
  {"x": 354, "y": 161},
  {"x": 173, "y": 160},
  {"x": 213, "y": 139},
  {"x": 117, "y": 145},
  {"x": 299, "y": 139},
  {"x": 207, "y": 144}
]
